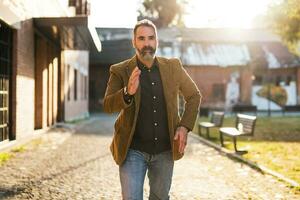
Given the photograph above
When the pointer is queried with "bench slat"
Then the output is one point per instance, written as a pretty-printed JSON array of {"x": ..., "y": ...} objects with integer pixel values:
[
  {"x": 215, "y": 121},
  {"x": 245, "y": 125},
  {"x": 217, "y": 118}
]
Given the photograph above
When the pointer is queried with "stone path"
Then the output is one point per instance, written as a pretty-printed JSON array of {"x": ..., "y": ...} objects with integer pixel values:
[{"x": 66, "y": 165}]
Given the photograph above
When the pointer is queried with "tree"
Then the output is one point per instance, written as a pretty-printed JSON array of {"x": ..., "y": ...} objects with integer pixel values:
[
  {"x": 163, "y": 12},
  {"x": 285, "y": 20}
]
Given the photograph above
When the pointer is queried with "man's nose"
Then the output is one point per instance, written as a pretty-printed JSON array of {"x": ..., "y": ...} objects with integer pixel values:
[{"x": 146, "y": 42}]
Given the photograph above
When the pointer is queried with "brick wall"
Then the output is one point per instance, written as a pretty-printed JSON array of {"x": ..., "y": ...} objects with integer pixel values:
[
  {"x": 41, "y": 61},
  {"x": 246, "y": 85},
  {"x": 205, "y": 78},
  {"x": 25, "y": 80},
  {"x": 36, "y": 83}
]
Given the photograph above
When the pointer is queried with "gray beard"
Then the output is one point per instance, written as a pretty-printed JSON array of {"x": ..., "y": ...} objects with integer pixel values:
[{"x": 148, "y": 57}]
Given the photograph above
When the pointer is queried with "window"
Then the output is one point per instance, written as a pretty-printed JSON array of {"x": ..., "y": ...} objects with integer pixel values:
[
  {"x": 68, "y": 83},
  {"x": 5, "y": 71},
  {"x": 258, "y": 80},
  {"x": 288, "y": 80},
  {"x": 82, "y": 86},
  {"x": 218, "y": 92},
  {"x": 277, "y": 81},
  {"x": 75, "y": 84},
  {"x": 86, "y": 87},
  {"x": 72, "y": 2}
]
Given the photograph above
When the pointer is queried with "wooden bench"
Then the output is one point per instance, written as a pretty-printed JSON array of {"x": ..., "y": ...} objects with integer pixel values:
[
  {"x": 215, "y": 121},
  {"x": 244, "y": 126}
]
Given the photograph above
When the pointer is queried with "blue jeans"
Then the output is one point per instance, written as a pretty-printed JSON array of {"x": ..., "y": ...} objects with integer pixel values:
[{"x": 133, "y": 171}]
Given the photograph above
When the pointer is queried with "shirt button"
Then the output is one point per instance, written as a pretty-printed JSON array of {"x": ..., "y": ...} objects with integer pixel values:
[
  {"x": 152, "y": 83},
  {"x": 154, "y": 111},
  {"x": 154, "y": 97},
  {"x": 155, "y": 138},
  {"x": 155, "y": 124},
  {"x": 149, "y": 70}
]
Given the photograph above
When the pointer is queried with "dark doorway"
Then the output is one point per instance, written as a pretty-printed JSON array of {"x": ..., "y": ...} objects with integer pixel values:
[{"x": 5, "y": 77}]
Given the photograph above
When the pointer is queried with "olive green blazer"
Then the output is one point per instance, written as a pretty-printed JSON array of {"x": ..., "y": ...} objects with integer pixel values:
[{"x": 175, "y": 80}]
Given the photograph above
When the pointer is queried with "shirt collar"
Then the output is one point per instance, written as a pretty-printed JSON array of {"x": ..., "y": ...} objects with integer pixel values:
[{"x": 141, "y": 66}]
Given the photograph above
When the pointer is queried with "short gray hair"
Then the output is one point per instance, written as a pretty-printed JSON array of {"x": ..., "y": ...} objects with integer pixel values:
[{"x": 144, "y": 22}]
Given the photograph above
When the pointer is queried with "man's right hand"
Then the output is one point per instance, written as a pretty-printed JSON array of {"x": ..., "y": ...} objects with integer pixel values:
[{"x": 134, "y": 81}]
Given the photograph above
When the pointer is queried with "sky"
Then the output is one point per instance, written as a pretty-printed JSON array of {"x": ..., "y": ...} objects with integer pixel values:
[
  {"x": 114, "y": 13},
  {"x": 201, "y": 13}
]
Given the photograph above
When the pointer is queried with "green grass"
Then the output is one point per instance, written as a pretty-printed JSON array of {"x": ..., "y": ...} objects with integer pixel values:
[
  {"x": 275, "y": 144},
  {"x": 4, "y": 157},
  {"x": 18, "y": 149}
]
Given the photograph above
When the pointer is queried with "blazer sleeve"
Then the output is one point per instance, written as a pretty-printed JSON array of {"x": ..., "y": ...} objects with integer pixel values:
[
  {"x": 113, "y": 99},
  {"x": 192, "y": 97}
]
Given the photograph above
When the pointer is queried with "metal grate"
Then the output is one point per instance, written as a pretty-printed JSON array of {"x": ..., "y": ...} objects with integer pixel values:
[{"x": 5, "y": 71}]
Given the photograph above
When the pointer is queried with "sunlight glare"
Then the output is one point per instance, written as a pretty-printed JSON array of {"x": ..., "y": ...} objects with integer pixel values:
[{"x": 224, "y": 13}]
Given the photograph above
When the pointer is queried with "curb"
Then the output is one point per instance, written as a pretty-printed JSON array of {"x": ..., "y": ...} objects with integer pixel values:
[
  {"x": 9, "y": 145},
  {"x": 258, "y": 167}
]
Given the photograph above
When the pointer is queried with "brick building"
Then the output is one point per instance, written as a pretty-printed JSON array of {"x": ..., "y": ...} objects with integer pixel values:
[
  {"x": 44, "y": 64},
  {"x": 229, "y": 66}
]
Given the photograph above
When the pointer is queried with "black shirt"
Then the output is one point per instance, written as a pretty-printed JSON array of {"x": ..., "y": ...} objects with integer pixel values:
[{"x": 151, "y": 133}]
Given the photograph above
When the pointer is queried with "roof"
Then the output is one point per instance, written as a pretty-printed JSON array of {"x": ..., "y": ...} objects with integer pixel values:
[
  {"x": 221, "y": 47},
  {"x": 58, "y": 28}
]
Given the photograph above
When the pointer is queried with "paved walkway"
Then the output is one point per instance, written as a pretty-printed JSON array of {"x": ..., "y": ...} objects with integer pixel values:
[{"x": 64, "y": 165}]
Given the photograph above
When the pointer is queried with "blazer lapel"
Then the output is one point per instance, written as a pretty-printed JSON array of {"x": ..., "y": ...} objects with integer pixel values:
[
  {"x": 164, "y": 75},
  {"x": 131, "y": 65},
  {"x": 164, "y": 70}
]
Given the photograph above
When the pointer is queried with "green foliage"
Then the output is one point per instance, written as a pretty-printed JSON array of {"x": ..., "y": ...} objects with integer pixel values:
[
  {"x": 4, "y": 157},
  {"x": 285, "y": 20},
  {"x": 277, "y": 94},
  {"x": 18, "y": 149},
  {"x": 163, "y": 13}
]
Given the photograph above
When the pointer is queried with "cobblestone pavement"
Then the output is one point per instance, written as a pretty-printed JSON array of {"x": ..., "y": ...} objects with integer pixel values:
[{"x": 64, "y": 165}]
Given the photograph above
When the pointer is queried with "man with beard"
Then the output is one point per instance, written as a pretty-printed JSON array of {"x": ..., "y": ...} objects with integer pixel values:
[{"x": 149, "y": 133}]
